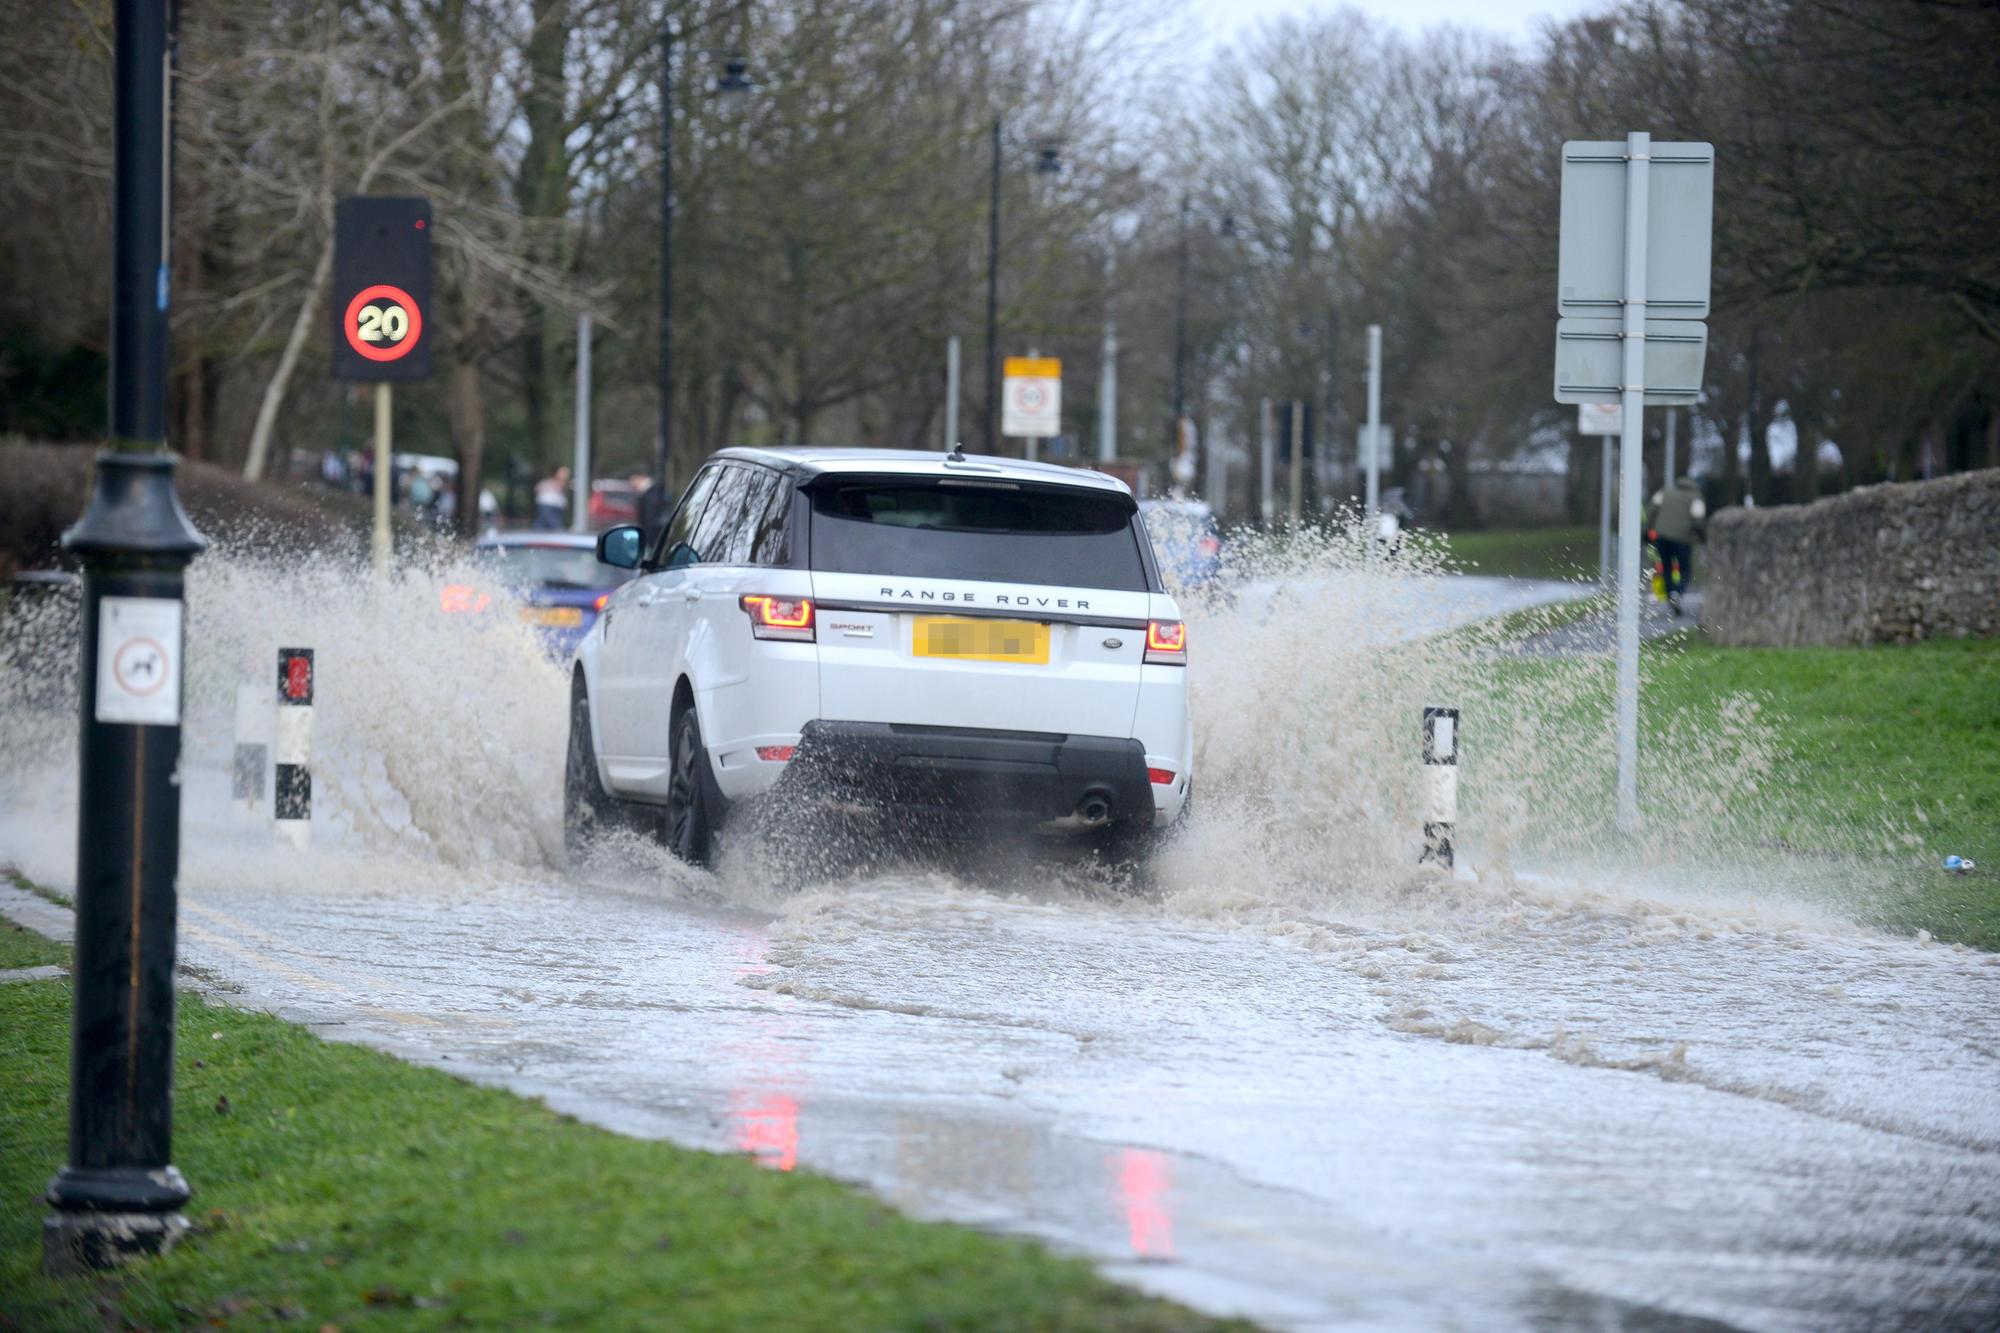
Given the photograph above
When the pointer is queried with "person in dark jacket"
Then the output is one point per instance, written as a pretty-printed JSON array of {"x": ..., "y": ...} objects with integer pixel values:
[{"x": 1679, "y": 518}]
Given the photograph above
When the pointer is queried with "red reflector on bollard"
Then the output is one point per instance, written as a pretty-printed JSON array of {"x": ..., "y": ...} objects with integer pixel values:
[{"x": 295, "y": 675}]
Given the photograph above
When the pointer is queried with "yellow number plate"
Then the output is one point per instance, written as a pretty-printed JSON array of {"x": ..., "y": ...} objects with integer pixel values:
[
  {"x": 555, "y": 617},
  {"x": 981, "y": 640}
]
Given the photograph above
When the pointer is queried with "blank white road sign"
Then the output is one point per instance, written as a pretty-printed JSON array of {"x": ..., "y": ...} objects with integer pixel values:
[
  {"x": 1590, "y": 360},
  {"x": 1600, "y": 419},
  {"x": 139, "y": 660},
  {"x": 1031, "y": 397},
  {"x": 1680, "y": 216},
  {"x": 1382, "y": 447}
]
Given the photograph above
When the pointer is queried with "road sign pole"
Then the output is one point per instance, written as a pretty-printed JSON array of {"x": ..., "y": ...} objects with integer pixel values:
[
  {"x": 384, "y": 463},
  {"x": 1107, "y": 381},
  {"x": 1374, "y": 456},
  {"x": 951, "y": 393},
  {"x": 1638, "y": 160},
  {"x": 1668, "y": 477},
  {"x": 1605, "y": 457},
  {"x": 580, "y": 471},
  {"x": 118, "y": 1194},
  {"x": 1215, "y": 482},
  {"x": 1295, "y": 473},
  {"x": 1267, "y": 450}
]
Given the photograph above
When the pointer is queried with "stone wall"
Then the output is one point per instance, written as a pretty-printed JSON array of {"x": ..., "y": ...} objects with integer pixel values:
[{"x": 1882, "y": 564}]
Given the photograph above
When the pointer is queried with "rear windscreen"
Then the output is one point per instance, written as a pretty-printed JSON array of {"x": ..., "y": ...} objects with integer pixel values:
[{"x": 994, "y": 532}]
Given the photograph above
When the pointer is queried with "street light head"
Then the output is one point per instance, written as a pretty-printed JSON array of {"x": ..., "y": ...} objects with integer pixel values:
[{"x": 734, "y": 85}]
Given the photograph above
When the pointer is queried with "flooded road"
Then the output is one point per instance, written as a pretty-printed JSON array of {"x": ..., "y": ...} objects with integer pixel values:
[
  {"x": 1570, "y": 1107},
  {"x": 1295, "y": 1079}
]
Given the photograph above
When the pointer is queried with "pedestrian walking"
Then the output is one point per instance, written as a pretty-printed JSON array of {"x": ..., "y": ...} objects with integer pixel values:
[
  {"x": 1679, "y": 520},
  {"x": 551, "y": 500}
]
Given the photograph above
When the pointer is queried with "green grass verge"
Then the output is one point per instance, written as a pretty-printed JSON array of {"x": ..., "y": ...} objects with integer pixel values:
[
  {"x": 1905, "y": 737},
  {"x": 21, "y": 947},
  {"x": 1913, "y": 730},
  {"x": 337, "y": 1185},
  {"x": 1531, "y": 553}
]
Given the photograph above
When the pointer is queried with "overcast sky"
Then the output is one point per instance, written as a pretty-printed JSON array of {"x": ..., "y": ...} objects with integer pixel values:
[{"x": 1513, "y": 19}]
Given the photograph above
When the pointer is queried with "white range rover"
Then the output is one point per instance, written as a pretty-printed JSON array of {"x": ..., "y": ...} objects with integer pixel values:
[{"x": 961, "y": 642}]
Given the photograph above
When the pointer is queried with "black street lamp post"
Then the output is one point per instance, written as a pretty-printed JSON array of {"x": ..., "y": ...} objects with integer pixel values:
[
  {"x": 734, "y": 83},
  {"x": 119, "y": 1195},
  {"x": 1180, "y": 331},
  {"x": 663, "y": 444},
  {"x": 1048, "y": 162},
  {"x": 993, "y": 303},
  {"x": 1225, "y": 227}
]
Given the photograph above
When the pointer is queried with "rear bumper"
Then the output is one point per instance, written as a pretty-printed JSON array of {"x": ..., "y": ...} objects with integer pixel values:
[{"x": 1019, "y": 776}]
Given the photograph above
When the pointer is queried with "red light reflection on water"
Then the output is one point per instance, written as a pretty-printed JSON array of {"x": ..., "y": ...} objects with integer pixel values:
[
  {"x": 767, "y": 1127},
  {"x": 1145, "y": 1178}
]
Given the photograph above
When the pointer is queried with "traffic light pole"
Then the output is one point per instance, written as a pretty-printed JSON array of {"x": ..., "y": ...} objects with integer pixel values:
[{"x": 118, "y": 1194}]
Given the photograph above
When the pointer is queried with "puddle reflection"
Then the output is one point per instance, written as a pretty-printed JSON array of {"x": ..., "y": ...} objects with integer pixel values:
[
  {"x": 767, "y": 1127},
  {"x": 1145, "y": 1179}
]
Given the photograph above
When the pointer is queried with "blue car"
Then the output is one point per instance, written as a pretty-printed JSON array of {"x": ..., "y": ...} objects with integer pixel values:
[
  {"x": 557, "y": 576},
  {"x": 1186, "y": 542}
]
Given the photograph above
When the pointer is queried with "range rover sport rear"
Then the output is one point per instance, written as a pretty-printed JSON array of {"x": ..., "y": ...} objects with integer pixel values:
[{"x": 977, "y": 641}]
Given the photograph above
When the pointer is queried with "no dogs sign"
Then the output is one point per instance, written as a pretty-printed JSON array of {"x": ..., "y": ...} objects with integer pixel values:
[{"x": 139, "y": 660}]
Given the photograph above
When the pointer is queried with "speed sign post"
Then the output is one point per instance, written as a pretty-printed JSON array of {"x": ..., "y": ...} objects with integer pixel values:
[{"x": 381, "y": 312}]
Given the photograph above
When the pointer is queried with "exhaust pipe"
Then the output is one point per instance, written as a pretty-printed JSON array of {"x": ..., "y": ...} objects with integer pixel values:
[{"x": 1094, "y": 809}]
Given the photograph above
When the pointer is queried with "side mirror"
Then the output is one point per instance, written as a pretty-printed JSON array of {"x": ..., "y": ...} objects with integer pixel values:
[{"x": 623, "y": 546}]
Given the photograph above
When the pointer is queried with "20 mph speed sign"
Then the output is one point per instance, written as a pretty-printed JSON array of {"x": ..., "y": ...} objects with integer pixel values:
[
  {"x": 382, "y": 288},
  {"x": 383, "y": 323}
]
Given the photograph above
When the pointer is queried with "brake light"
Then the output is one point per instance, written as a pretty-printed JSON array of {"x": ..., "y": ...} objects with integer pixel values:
[
  {"x": 776, "y": 754},
  {"x": 1166, "y": 642},
  {"x": 1160, "y": 777},
  {"x": 788, "y": 618},
  {"x": 603, "y": 600},
  {"x": 455, "y": 598}
]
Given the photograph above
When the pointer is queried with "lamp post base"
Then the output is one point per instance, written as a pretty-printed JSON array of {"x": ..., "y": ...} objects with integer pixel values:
[{"x": 75, "y": 1243}]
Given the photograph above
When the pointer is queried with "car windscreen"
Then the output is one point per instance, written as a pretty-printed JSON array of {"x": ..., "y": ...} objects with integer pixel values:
[
  {"x": 552, "y": 567},
  {"x": 995, "y": 532}
]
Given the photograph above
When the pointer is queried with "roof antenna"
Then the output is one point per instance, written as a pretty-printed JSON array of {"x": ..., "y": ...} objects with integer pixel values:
[{"x": 957, "y": 454}]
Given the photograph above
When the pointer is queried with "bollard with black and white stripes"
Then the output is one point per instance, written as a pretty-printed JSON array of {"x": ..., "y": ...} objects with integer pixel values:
[
  {"x": 292, "y": 804},
  {"x": 253, "y": 754},
  {"x": 1440, "y": 784}
]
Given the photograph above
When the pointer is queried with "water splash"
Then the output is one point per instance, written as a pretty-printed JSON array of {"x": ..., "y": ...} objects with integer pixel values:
[{"x": 440, "y": 739}]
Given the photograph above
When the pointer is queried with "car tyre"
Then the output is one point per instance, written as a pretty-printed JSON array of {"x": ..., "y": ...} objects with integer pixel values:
[
  {"x": 589, "y": 811},
  {"x": 692, "y": 807},
  {"x": 1129, "y": 847}
]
